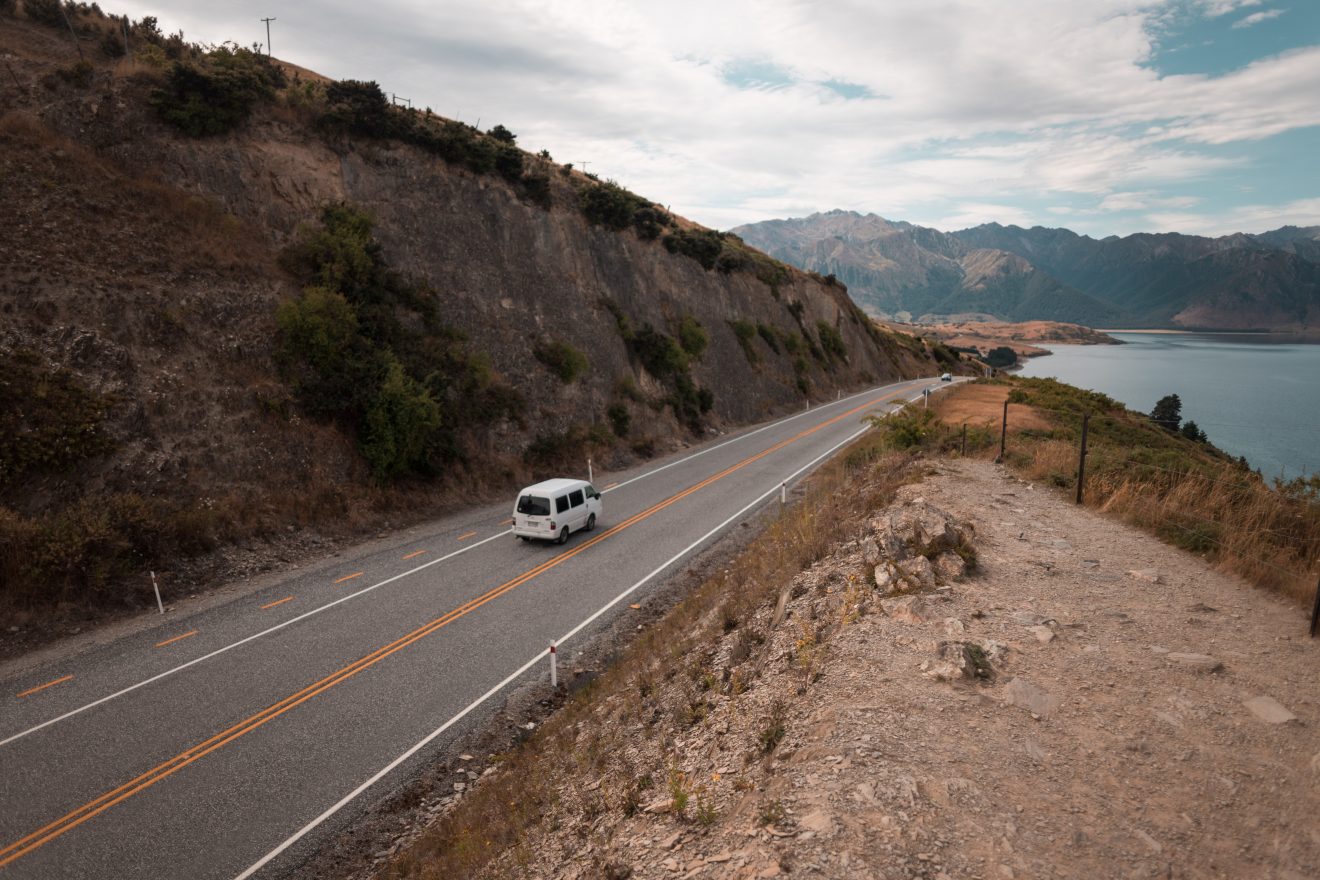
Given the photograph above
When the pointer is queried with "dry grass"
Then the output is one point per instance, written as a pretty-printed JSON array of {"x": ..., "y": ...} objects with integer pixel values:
[
  {"x": 500, "y": 815},
  {"x": 979, "y": 405},
  {"x": 1187, "y": 494}
]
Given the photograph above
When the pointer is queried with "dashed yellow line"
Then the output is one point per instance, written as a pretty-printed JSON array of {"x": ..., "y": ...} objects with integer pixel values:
[
  {"x": 42, "y": 687},
  {"x": 186, "y": 635},
  {"x": 349, "y": 577},
  {"x": 611, "y": 485},
  {"x": 276, "y": 602},
  {"x": 465, "y": 537},
  {"x": 507, "y": 522},
  {"x": 73, "y": 819},
  {"x": 415, "y": 553}
]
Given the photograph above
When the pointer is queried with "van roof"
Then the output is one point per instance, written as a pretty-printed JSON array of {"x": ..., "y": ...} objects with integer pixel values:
[{"x": 550, "y": 487}]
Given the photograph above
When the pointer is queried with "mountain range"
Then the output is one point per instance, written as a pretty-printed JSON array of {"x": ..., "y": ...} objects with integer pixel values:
[{"x": 894, "y": 269}]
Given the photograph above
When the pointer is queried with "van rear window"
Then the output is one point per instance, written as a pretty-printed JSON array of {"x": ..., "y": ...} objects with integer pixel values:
[{"x": 530, "y": 505}]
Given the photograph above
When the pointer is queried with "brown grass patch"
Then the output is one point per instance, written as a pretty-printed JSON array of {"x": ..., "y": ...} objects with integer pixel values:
[
  {"x": 983, "y": 406},
  {"x": 500, "y": 816}
]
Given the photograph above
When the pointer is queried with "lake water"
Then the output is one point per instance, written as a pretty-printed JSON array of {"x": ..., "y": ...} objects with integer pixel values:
[{"x": 1253, "y": 397}]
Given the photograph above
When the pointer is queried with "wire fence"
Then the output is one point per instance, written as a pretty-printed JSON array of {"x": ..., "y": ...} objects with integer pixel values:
[{"x": 1251, "y": 532}]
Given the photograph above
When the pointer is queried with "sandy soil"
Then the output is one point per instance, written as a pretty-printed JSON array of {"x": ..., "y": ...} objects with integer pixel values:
[
  {"x": 1141, "y": 716},
  {"x": 983, "y": 406}
]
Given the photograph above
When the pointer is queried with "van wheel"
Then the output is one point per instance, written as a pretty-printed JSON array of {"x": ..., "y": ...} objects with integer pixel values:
[
  {"x": 591, "y": 522},
  {"x": 522, "y": 537},
  {"x": 563, "y": 536}
]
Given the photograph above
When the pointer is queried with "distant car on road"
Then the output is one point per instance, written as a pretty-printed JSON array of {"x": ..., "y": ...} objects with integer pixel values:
[
  {"x": 946, "y": 378},
  {"x": 554, "y": 509}
]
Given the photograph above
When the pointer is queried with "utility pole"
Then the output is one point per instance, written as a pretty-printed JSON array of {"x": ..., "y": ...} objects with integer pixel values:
[
  {"x": 268, "y": 21},
  {"x": 583, "y": 165}
]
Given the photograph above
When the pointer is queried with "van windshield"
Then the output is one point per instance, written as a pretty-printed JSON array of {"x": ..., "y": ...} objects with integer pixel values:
[{"x": 530, "y": 505}]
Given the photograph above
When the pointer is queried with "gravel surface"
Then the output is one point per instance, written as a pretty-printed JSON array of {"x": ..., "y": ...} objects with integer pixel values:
[{"x": 1086, "y": 702}]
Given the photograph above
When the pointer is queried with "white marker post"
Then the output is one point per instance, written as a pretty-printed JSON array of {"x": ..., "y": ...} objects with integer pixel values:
[
  {"x": 156, "y": 587},
  {"x": 783, "y": 493},
  {"x": 590, "y": 479},
  {"x": 554, "y": 668}
]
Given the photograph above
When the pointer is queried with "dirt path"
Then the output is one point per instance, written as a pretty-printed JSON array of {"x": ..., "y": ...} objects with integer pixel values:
[{"x": 1123, "y": 733}]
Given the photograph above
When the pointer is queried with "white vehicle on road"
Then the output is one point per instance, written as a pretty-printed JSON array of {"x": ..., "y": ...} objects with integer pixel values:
[{"x": 554, "y": 509}]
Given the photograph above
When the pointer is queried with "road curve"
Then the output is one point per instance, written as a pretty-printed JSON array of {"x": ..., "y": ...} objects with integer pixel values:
[{"x": 229, "y": 743}]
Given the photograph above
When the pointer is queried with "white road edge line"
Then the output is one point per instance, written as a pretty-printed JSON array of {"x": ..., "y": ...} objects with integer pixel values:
[
  {"x": 243, "y": 641},
  {"x": 540, "y": 655},
  {"x": 265, "y": 632}
]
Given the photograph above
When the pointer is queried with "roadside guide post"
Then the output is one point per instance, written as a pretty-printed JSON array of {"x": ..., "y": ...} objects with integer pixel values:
[
  {"x": 554, "y": 668},
  {"x": 156, "y": 587},
  {"x": 783, "y": 493},
  {"x": 589, "y": 477}
]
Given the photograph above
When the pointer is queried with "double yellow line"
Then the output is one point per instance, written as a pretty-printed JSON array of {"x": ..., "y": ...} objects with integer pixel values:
[{"x": 69, "y": 821}]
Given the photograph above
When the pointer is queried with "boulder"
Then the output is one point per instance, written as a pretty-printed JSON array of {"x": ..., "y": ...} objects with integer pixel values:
[
  {"x": 1149, "y": 575},
  {"x": 950, "y": 566},
  {"x": 870, "y": 551},
  {"x": 908, "y": 609},
  {"x": 917, "y": 573},
  {"x": 1269, "y": 710},
  {"x": 1022, "y": 693},
  {"x": 1195, "y": 662}
]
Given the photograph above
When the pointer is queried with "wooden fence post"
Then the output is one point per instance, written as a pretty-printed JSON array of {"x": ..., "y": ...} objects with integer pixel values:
[
  {"x": 1003, "y": 432},
  {"x": 964, "y": 440},
  {"x": 1315, "y": 610},
  {"x": 1081, "y": 458}
]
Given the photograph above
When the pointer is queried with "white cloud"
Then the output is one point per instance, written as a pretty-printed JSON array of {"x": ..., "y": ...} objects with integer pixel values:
[
  {"x": 1246, "y": 218},
  {"x": 1257, "y": 18},
  {"x": 975, "y": 105}
]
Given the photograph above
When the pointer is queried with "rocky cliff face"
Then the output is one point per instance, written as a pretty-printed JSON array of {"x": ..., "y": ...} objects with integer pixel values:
[{"x": 141, "y": 268}]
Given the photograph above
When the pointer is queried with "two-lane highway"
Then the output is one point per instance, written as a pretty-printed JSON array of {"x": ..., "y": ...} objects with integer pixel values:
[{"x": 231, "y": 741}]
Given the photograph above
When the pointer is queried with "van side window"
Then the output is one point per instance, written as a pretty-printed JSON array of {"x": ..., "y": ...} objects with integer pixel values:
[
  {"x": 575, "y": 498},
  {"x": 561, "y": 504}
]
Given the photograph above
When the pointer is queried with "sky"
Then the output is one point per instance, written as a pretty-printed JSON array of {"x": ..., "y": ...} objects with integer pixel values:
[{"x": 1104, "y": 116}]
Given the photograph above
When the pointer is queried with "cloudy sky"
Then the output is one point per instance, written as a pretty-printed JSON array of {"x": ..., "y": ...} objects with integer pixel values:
[{"x": 1105, "y": 116}]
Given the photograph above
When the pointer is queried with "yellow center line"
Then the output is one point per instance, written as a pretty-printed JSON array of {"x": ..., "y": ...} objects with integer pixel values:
[
  {"x": 276, "y": 602},
  {"x": 42, "y": 687},
  {"x": 507, "y": 522},
  {"x": 68, "y": 822},
  {"x": 611, "y": 485},
  {"x": 414, "y": 554},
  {"x": 349, "y": 577},
  {"x": 176, "y": 639},
  {"x": 466, "y": 536}
]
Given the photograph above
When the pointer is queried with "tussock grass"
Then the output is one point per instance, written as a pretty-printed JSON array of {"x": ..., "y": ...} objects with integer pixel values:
[
  {"x": 1189, "y": 494},
  {"x": 587, "y": 735}
]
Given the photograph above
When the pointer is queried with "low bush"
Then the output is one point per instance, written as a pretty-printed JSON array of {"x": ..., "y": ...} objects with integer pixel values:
[
  {"x": 620, "y": 419},
  {"x": 702, "y": 245},
  {"x": 692, "y": 336},
  {"x": 831, "y": 341},
  {"x": 745, "y": 332},
  {"x": 52, "y": 421},
  {"x": 216, "y": 94},
  {"x": 662, "y": 357},
  {"x": 562, "y": 359}
]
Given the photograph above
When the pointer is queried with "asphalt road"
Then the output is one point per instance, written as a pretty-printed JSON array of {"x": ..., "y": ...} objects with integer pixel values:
[{"x": 233, "y": 740}]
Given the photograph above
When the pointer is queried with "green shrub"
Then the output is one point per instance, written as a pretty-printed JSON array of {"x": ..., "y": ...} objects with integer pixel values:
[
  {"x": 504, "y": 136},
  {"x": 768, "y": 335},
  {"x": 620, "y": 419},
  {"x": 509, "y": 162},
  {"x": 356, "y": 107},
  {"x": 745, "y": 331},
  {"x": 400, "y": 424},
  {"x": 1001, "y": 357},
  {"x": 562, "y": 359},
  {"x": 692, "y": 336},
  {"x": 537, "y": 187},
  {"x": 47, "y": 12},
  {"x": 217, "y": 94},
  {"x": 659, "y": 353},
  {"x": 610, "y": 205},
  {"x": 831, "y": 341},
  {"x": 703, "y": 245}
]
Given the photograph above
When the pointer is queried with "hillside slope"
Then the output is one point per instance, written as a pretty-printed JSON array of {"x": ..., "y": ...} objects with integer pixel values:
[
  {"x": 915, "y": 273},
  {"x": 142, "y": 268},
  {"x": 1267, "y": 281}
]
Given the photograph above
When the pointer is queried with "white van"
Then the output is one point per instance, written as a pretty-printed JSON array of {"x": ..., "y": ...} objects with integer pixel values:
[{"x": 554, "y": 509}]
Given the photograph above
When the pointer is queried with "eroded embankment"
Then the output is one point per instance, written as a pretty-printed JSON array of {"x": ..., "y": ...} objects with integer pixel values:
[{"x": 1086, "y": 700}]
